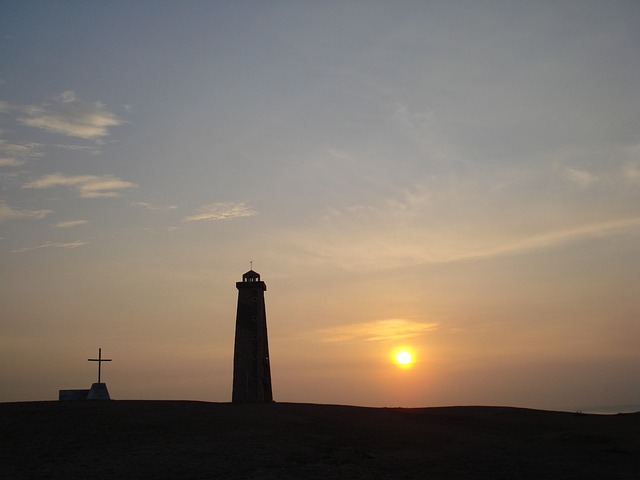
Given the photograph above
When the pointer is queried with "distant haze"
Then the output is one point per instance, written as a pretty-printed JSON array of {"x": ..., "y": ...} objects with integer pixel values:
[{"x": 460, "y": 179}]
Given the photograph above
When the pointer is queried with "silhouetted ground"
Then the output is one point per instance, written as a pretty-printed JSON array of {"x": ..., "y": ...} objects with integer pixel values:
[{"x": 196, "y": 440}]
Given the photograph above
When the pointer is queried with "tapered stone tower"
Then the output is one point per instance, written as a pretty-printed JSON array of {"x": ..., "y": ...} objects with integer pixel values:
[{"x": 251, "y": 370}]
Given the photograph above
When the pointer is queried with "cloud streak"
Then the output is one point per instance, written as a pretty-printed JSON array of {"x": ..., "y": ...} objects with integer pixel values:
[
  {"x": 86, "y": 186},
  {"x": 458, "y": 223},
  {"x": 68, "y": 245},
  {"x": 155, "y": 208},
  {"x": 68, "y": 115},
  {"x": 377, "y": 331},
  {"x": 9, "y": 213},
  {"x": 221, "y": 211},
  {"x": 93, "y": 150},
  {"x": 560, "y": 237},
  {"x": 10, "y": 162},
  {"x": 69, "y": 224}
]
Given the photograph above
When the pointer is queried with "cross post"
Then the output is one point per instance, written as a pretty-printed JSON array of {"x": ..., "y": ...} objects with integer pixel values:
[{"x": 99, "y": 360}]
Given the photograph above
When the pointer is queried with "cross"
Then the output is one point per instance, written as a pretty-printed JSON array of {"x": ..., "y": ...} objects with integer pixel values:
[
  {"x": 99, "y": 360},
  {"x": 251, "y": 264}
]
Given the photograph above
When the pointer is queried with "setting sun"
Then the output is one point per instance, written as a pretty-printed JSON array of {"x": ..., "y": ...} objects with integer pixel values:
[{"x": 404, "y": 358}]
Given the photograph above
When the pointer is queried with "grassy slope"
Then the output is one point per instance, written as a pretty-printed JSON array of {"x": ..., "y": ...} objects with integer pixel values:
[{"x": 166, "y": 439}]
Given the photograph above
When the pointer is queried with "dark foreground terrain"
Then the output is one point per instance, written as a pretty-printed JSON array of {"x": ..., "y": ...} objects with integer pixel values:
[{"x": 194, "y": 440}]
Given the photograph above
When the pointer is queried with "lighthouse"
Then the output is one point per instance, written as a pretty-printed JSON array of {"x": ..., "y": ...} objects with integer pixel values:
[{"x": 251, "y": 369}]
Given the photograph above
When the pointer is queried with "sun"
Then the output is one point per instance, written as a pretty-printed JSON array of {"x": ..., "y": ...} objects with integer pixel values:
[{"x": 403, "y": 358}]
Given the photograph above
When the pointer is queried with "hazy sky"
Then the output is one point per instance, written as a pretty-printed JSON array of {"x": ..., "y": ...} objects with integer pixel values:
[{"x": 460, "y": 178}]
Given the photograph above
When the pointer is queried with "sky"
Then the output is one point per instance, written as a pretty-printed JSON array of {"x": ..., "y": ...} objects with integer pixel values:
[{"x": 457, "y": 178}]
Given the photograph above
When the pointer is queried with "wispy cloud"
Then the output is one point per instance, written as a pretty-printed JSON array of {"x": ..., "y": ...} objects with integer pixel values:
[
  {"x": 613, "y": 169},
  {"x": 443, "y": 221},
  {"x": 559, "y": 237},
  {"x": 69, "y": 223},
  {"x": 631, "y": 171},
  {"x": 583, "y": 178},
  {"x": 377, "y": 331},
  {"x": 155, "y": 208},
  {"x": 70, "y": 116},
  {"x": 16, "y": 154},
  {"x": 93, "y": 150},
  {"x": 68, "y": 245},
  {"x": 86, "y": 186},
  {"x": 8, "y": 213},
  {"x": 10, "y": 162},
  {"x": 221, "y": 211}
]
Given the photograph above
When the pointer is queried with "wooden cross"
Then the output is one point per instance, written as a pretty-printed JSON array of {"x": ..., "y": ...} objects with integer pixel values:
[{"x": 99, "y": 360}]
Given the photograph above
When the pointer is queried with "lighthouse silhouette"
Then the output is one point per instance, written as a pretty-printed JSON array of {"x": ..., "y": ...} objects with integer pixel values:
[{"x": 251, "y": 369}]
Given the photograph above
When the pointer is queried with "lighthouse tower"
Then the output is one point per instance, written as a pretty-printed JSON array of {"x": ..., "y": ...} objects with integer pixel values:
[{"x": 251, "y": 370}]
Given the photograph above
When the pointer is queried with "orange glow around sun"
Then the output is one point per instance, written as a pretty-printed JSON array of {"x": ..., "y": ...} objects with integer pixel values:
[{"x": 403, "y": 358}]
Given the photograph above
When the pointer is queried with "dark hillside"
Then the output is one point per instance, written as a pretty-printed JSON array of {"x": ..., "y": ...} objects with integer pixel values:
[{"x": 196, "y": 440}]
